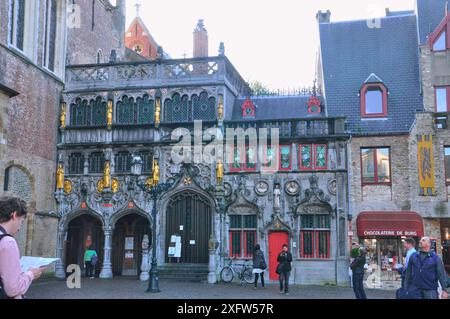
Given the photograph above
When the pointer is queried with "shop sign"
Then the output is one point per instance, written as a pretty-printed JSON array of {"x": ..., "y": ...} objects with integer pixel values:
[{"x": 391, "y": 233}]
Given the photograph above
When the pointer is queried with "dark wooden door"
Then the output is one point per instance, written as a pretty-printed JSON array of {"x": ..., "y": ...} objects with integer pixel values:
[{"x": 189, "y": 215}]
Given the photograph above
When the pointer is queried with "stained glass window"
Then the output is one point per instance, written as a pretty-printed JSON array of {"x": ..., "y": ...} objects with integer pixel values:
[
  {"x": 321, "y": 156},
  {"x": 236, "y": 158},
  {"x": 250, "y": 159},
  {"x": 176, "y": 109},
  {"x": 99, "y": 112},
  {"x": 125, "y": 110},
  {"x": 204, "y": 107},
  {"x": 313, "y": 157},
  {"x": 146, "y": 108},
  {"x": 285, "y": 158},
  {"x": 305, "y": 161}
]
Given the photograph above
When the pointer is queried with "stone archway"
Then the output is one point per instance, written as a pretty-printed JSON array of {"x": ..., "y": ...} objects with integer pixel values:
[
  {"x": 129, "y": 230},
  {"x": 84, "y": 231}
]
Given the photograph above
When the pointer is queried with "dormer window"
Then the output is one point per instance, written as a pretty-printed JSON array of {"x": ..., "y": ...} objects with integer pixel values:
[
  {"x": 248, "y": 109},
  {"x": 439, "y": 40},
  {"x": 374, "y": 100},
  {"x": 314, "y": 105}
]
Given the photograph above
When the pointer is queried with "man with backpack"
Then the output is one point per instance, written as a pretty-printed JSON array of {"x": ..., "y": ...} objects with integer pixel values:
[{"x": 426, "y": 271}]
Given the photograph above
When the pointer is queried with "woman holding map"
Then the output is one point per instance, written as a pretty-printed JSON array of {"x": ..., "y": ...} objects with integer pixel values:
[{"x": 14, "y": 283}]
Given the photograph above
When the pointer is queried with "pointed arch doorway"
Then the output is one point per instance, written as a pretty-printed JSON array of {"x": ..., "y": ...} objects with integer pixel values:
[{"x": 189, "y": 215}]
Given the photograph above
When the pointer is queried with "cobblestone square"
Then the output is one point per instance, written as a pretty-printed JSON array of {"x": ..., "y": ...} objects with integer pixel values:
[{"x": 131, "y": 288}]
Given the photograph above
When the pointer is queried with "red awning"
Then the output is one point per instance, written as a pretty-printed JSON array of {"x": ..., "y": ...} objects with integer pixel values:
[{"x": 389, "y": 224}]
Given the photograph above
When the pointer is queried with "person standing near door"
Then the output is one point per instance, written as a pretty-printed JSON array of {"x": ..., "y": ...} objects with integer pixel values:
[
  {"x": 284, "y": 268},
  {"x": 90, "y": 260},
  {"x": 259, "y": 265}
]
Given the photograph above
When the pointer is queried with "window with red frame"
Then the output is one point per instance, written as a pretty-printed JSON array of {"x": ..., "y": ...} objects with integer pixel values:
[
  {"x": 313, "y": 157},
  {"x": 374, "y": 100},
  {"x": 439, "y": 39},
  {"x": 442, "y": 98},
  {"x": 376, "y": 165},
  {"x": 248, "y": 163},
  {"x": 243, "y": 235},
  {"x": 285, "y": 158},
  {"x": 315, "y": 236}
]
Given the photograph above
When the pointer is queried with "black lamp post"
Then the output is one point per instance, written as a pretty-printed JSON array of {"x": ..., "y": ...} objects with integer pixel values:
[{"x": 155, "y": 192}]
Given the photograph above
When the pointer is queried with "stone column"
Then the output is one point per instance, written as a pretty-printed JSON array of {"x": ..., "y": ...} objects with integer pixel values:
[
  {"x": 212, "y": 277},
  {"x": 60, "y": 271},
  {"x": 106, "y": 272}
]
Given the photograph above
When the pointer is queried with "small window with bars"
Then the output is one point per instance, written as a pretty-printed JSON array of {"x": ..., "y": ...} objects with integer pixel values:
[
  {"x": 147, "y": 161},
  {"x": 243, "y": 229},
  {"x": 76, "y": 163},
  {"x": 315, "y": 236},
  {"x": 96, "y": 163},
  {"x": 123, "y": 162}
]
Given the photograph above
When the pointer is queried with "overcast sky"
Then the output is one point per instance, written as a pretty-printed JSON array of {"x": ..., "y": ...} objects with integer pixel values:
[{"x": 274, "y": 42}]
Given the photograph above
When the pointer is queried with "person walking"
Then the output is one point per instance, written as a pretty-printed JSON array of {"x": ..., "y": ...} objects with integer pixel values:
[
  {"x": 409, "y": 247},
  {"x": 284, "y": 268},
  {"x": 259, "y": 265},
  {"x": 14, "y": 283},
  {"x": 90, "y": 260},
  {"x": 357, "y": 267},
  {"x": 353, "y": 254},
  {"x": 426, "y": 271}
]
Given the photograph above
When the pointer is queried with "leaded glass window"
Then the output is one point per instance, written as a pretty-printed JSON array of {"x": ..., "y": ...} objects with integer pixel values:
[
  {"x": 147, "y": 159},
  {"x": 99, "y": 108},
  {"x": 321, "y": 156},
  {"x": 285, "y": 157},
  {"x": 305, "y": 153},
  {"x": 313, "y": 157},
  {"x": 125, "y": 110},
  {"x": 146, "y": 110},
  {"x": 177, "y": 109},
  {"x": 84, "y": 113},
  {"x": 96, "y": 163},
  {"x": 123, "y": 162},
  {"x": 76, "y": 163},
  {"x": 204, "y": 108}
]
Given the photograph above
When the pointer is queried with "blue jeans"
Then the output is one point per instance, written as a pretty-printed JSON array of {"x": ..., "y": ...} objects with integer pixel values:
[{"x": 358, "y": 286}]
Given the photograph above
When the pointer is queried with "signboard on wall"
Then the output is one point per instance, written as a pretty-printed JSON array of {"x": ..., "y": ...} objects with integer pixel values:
[
  {"x": 129, "y": 243},
  {"x": 426, "y": 165}
]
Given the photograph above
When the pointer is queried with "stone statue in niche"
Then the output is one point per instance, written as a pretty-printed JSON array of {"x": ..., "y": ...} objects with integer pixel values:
[{"x": 277, "y": 197}]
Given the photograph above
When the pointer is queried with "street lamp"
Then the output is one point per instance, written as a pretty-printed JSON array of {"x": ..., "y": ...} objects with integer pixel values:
[{"x": 155, "y": 190}]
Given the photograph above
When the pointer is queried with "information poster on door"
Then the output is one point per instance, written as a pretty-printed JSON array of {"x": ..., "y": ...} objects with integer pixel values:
[{"x": 129, "y": 243}]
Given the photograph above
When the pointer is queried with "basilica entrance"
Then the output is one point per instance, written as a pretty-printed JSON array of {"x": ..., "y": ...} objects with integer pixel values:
[
  {"x": 128, "y": 234},
  {"x": 84, "y": 232},
  {"x": 188, "y": 217}
]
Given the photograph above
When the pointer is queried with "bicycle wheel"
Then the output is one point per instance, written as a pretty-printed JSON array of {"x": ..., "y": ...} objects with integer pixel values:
[
  {"x": 249, "y": 277},
  {"x": 227, "y": 274}
]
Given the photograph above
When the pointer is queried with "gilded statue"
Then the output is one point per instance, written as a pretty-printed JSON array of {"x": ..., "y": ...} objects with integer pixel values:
[
  {"x": 115, "y": 186},
  {"x": 158, "y": 112},
  {"x": 220, "y": 108},
  {"x": 109, "y": 115},
  {"x": 63, "y": 116},
  {"x": 107, "y": 175},
  {"x": 155, "y": 172},
  {"x": 219, "y": 172},
  {"x": 60, "y": 177},
  {"x": 68, "y": 187}
]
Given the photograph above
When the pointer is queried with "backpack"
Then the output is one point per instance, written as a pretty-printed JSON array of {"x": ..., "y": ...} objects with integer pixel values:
[
  {"x": 3, "y": 295},
  {"x": 94, "y": 260}
]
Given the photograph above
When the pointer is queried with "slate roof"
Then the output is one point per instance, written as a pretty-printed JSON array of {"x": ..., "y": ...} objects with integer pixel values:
[
  {"x": 429, "y": 14},
  {"x": 277, "y": 108},
  {"x": 352, "y": 52}
]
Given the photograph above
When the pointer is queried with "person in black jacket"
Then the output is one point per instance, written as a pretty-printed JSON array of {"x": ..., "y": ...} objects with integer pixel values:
[
  {"x": 357, "y": 267},
  {"x": 259, "y": 265},
  {"x": 284, "y": 268}
]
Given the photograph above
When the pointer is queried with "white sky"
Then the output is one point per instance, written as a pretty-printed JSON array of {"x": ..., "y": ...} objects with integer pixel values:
[{"x": 274, "y": 42}]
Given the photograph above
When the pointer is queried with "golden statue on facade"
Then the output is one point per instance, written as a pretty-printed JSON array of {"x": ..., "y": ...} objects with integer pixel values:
[
  {"x": 219, "y": 172},
  {"x": 158, "y": 112},
  {"x": 60, "y": 177},
  {"x": 220, "y": 108},
  {"x": 68, "y": 187},
  {"x": 115, "y": 186},
  {"x": 107, "y": 175},
  {"x": 156, "y": 171},
  {"x": 63, "y": 116},
  {"x": 109, "y": 114}
]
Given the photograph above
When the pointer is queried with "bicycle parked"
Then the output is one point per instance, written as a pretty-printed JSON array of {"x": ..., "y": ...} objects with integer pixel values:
[{"x": 245, "y": 273}]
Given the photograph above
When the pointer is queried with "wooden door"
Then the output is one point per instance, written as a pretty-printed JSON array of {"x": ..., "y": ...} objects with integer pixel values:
[
  {"x": 276, "y": 242},
  {"x": 189, "y": 215}
]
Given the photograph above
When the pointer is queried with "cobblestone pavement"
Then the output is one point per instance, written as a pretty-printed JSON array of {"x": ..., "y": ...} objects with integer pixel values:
[{"x": 131, "y": 288}]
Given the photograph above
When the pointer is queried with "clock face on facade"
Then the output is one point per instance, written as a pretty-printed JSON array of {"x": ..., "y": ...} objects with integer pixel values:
[
  {"x": 261, "y": 188},
  {"x": 292, "y": 188}
]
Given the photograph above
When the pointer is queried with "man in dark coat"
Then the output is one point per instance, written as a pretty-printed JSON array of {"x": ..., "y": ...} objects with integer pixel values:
[{"x": 357, "y": 267}]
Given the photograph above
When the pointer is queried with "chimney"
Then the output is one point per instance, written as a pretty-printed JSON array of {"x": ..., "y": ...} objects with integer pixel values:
[
  {"x": 323, "y": 17},
  {"x": 200, "y": 40}
]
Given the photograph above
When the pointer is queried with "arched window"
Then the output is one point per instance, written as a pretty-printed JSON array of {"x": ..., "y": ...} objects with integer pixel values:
[
  {"x": 176, "y": 109},
  {"x": 88, "y": 113},
  {"x": 18, "y": 183},
  {"x": 204, "y": 108},
  {"x": 374, "y": 100},
  {"x": 125, "y": 110},
  {"x": 140, "y": 111},
  {"x": 99, "y": 56}
]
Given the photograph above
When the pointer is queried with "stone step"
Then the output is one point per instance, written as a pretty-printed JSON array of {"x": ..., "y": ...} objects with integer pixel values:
[{"x": 184, "y": 272}]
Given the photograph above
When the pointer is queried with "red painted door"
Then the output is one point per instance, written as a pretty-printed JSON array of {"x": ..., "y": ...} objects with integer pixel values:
[{"x": 276, "y": 242}]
